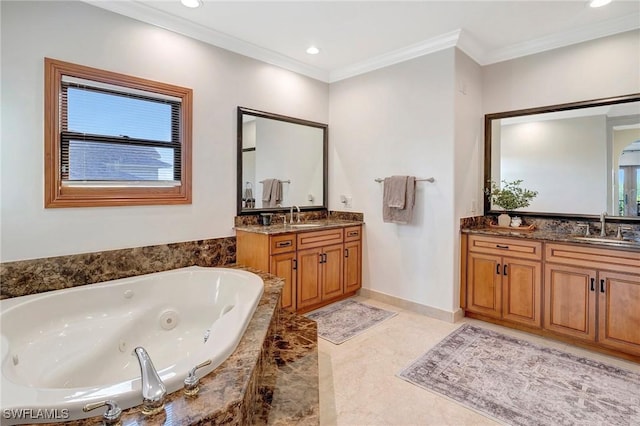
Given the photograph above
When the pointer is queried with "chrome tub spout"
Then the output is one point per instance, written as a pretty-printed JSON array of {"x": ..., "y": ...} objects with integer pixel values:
[{"x": 153, "y": 389}]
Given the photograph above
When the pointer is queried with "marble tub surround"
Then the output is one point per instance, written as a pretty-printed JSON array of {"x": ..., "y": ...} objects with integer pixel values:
[
  {"x": 290, "y": 391},
  {"x": 231, "y": 393},
  {"x": 254, "y": 219},
  {"x": 25, "y": 277}
]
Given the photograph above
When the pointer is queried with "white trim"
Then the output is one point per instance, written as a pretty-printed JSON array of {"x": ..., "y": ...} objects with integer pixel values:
[
  {"x": 575, "y": 36},
  {"x": 463, "y": 41},
  {"x": 418, "y": 308},
  {"x": 153, "y": 16},
  {"x": 412, "y": 51}
]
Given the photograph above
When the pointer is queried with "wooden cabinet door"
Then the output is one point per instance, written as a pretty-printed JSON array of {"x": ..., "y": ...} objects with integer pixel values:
[
  {"x": 483, "y": 284},
  {"x": 619, "y": 311},
  {"x": 521, "y": 291},
  {"x": 352, "y": 266},
  {"x": 309, "y": 276},
  {"x": 284, "y": 266},
  {"x": 332, "y": 271},
  {"x": 570, "y": 301}
]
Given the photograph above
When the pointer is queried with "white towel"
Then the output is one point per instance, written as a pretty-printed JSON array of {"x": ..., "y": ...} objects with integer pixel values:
[{"x": 405, "y": 214}]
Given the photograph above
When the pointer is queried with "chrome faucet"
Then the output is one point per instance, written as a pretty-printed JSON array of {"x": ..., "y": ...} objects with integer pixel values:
[
  {"x": 153, "y": 390},
  {"x": 291, "y": 213},
  {"x": 603, "y": 231}
]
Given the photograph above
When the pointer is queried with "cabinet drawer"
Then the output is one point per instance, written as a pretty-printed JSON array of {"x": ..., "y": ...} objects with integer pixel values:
[
  {"x": 352, "y": 233},
  {"x": 319, "y": 238},
  {"x": 590, "y": 257},
  {"x": 515, "y": 247},
  {"x": 283, "y": 243}
]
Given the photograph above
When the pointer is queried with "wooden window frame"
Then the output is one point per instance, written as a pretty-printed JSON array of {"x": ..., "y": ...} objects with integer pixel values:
[{"x": 58, "y": 195}]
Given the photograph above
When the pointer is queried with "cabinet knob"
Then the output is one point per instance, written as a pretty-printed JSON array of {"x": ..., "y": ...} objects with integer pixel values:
[
  {"x": 593, "y": 284},
  {"x": 601, "y": 286},
  {"x": 283, "y": 243}
]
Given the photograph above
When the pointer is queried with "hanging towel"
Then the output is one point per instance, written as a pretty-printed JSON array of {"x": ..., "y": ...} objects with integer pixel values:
[
  {"x": 248, "y": 192},
  {"x": 267, "y": 188},
  {"x": 276, "y": 193},
  {"x": 395, "y": 191},
  {"x": 271, "y": 192},
  {"x": 395, "y": 214}
]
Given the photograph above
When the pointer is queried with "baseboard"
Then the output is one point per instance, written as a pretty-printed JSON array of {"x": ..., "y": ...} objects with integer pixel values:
[{"x": 418, "y": 308}]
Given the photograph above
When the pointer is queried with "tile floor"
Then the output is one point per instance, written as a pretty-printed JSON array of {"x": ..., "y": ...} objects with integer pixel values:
[{"x": 358, "y": 385}]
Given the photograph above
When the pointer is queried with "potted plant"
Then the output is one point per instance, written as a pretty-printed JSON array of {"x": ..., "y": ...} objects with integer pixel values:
[{"x": 510, "y": 197}]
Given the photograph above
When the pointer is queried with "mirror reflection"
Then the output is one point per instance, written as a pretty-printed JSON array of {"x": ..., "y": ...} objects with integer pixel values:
[
  {"x": 582, "y": 158},
  {"x": 282, "y": 162}
]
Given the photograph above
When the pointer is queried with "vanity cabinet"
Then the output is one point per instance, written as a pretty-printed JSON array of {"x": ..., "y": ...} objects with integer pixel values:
[
  {"x": 504, "y": 279},
  {"x": 318, "y": 267},
  {"x": 275, "y": 254},
  {"x": 320, "y": 272},
  {"x": 584, "y": 294},
  {"x": 352, "y": 276},
  {"x": 593, "y": 294}
]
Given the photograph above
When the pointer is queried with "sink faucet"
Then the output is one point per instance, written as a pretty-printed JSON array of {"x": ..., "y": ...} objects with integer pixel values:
[
  {"x": 153, "y": 390},
  {"x": 291, "y": 212},
  {"x": 603, "y": 232}
]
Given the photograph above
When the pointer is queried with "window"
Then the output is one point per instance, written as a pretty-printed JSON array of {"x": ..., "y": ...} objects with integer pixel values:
[{"x": 114, "y": 140}]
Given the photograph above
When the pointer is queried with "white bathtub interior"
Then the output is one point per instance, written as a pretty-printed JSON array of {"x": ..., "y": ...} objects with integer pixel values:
[{"x": 64, "y": 349}]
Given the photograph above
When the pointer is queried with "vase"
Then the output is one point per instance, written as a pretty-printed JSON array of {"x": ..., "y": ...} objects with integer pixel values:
[
  {"x": 504, "y": 220},
  {"x": 516, "y": 222}
]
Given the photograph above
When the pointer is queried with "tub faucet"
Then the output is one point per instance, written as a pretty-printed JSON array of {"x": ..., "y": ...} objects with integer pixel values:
[
  {"x": 603, "y": 231},
  {"x": 153, "y": 390}
]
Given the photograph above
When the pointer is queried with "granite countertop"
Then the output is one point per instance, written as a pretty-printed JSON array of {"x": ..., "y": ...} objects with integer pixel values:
[
  {"x": 316, "y": 225},
  {"x": 558, "y": 236}
]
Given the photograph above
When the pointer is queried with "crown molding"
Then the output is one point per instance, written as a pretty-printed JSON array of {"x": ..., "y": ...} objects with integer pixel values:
[
  {"x": 567, "y": 38},
  {"x": 458, "y": 38},
  {"x": 150, "y": 15},
  {"x": 412, "y": 51}
]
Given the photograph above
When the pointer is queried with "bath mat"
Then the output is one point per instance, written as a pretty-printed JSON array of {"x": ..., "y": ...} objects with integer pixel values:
[
  {"x": 341, "y": 321},
  {"x": 521, "y": 383}
]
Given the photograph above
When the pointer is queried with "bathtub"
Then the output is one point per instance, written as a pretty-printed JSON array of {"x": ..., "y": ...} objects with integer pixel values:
[{"x": 66, "y": 348}]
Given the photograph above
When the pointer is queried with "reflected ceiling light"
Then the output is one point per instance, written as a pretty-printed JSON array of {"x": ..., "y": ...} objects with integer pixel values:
[
  {"x": 191, "y": 3},
  {"x": 598, "y": 3},
  {"x": 312, "y": 50}
]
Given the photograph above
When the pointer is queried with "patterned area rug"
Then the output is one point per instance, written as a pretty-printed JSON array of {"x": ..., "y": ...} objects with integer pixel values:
[
  {"x": 341, "y": 321},
  {"x": 520, "y": 383}
]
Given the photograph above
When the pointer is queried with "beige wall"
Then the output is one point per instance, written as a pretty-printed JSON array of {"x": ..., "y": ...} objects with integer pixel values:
[
  {"x": 83, "y": 34},
  {"x": 600, "y": 68}
]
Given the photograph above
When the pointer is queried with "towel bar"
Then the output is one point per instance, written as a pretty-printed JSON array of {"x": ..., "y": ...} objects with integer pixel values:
[{"x": 379, "y": 180}]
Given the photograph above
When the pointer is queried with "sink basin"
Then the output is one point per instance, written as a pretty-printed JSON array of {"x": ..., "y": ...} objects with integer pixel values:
[
  {"x": 626, "y": 243},
  {"x": 305, "y": 225}
]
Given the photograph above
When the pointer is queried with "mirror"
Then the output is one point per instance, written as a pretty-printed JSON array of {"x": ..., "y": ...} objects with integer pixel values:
[
  {"x": 582, "y": 158},
  {"x": 282, "y": 161}
]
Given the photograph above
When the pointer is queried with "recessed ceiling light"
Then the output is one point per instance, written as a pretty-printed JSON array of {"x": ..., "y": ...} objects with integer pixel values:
[
  {"x": 599, "y": 3},
  {"x": 313, "y": 50},
  {"x": 191, "y": 3}
]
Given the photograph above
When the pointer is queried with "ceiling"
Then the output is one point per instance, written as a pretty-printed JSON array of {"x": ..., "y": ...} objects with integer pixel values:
[{"x": 359, "y": 36}]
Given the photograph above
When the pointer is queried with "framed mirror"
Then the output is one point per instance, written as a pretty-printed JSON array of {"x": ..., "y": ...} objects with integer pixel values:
[
  {"x": 583, "y": 158},
  {"x": 282, "y": 162}
]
